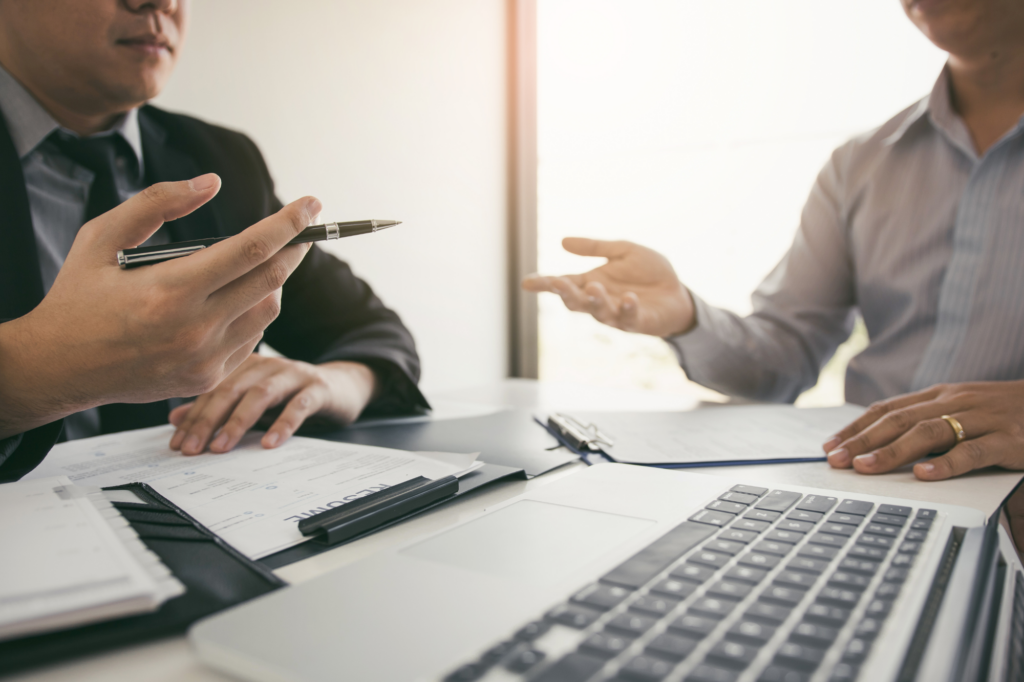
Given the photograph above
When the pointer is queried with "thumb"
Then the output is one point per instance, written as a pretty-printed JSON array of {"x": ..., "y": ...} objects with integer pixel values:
[
  {"x": 582, "y": 246},
  {"x": 134, "y": 221}
]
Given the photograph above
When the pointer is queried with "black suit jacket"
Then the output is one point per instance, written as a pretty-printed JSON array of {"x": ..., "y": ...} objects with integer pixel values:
[{"x": 327, "y": 313}]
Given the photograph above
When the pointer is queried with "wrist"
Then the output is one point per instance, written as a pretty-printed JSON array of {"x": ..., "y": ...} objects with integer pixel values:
[
  {"x": 34, "y": 388},
  {"x": 352, "y": 386},
  {"x": 686, "y": 318}
]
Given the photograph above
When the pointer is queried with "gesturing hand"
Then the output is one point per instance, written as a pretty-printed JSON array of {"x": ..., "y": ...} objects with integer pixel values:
[
  {"x": 636, "y": 290},
  {"x": 336, "y": 390},
  {"x": 906, "y": 428}
]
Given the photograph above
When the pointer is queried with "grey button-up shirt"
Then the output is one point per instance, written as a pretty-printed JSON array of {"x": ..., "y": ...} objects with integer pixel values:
[
  {"x": 908, "y": 226},
  {"x": 58, "y": 191}
]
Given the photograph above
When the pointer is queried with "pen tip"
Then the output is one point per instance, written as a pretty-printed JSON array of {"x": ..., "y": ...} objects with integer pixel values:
[{"x": 381, "y": 224}]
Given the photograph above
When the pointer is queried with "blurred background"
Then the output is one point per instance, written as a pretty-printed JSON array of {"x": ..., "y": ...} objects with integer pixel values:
[{"x": 695, "y": 128}]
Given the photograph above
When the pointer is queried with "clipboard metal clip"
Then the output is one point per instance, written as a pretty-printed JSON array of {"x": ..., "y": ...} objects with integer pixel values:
[{"x": 579, "y": 434}]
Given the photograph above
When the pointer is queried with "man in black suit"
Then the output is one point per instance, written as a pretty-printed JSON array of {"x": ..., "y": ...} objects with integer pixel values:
[{"x": 87, "y": 348}]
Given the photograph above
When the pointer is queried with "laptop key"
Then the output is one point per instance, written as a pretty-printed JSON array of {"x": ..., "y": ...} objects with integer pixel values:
[
  {"x": 884, "y": 531},
  {"x": 856, "y": 650},
  {"x": 909, "y": 547},
  {"x": 573, "y": 616},
  {"x": 742, "y": 498},
  {"x": 695, "y": 626},
  {"x": 800, "y": 656},
  {"x": 818, "y": 551},
  {"x": 917, "y": 535},
  {"x": 498, "y": 652},
  {"x": 711, "y": 607},
  {"x": 868, "y": 628},
  {"x": 816, "y": 503},
  {"x": 712, "y": 673},
  {"x": 656, "y": 557},
  {"x": 727, "y": 507},
  {"x": 746, "y": 574},
  {"x": 778, "y": 673},
  {"x": 796, "y": 579},
  {"x": 889, "y": 519},
  {"x": 844, "y": 672},
  {"x": 524, "y": 659},
  {"x": 776, "y": 548},
  {"x": 782, "y": 535},
  {"x": 772, "y": 613},
  {"x": 605, "y": 645},
  {"x": 654, "y": 605},
  {"x": 875, "y": 541},
  {"x": 757, "y": 560},
  {"x": 574, "y": 667},
  {"x": 750, "y": 631},
  {"x": 752, "y": 525},
  {"x": 762, "y": 515},
  {"x": 896, "y": 575},
  {"x": 713, "y": 518},
  {"x": 692, "y": 572},
  {"x": 855, "y": 507},
  {"x": 710, "y": 559},
  {"x": 737, "y": 535},
  {"x": 532, "y": 631},
  {"x": 839, "y": 597},
  {"x": 644, "y": 668},
  {"x": 888, "y": 591},
  {"x": 903, "y": 560},
  {"x": 926, "y": 513},
  {"x": 733, "y": 654},
  {"x": 894, "y": 509},
  {"x": 783, "y": 595},
  {"x": 878, "y": 608},
  {"x": 867, "y": 552},
  {"x": 849, "y": 581},
  {"x": 921, "y": 524},
  {"x": 729, "y": 590},
  {"x": 828, "y": 539},
  {"x": 814, "y": 634},
  {"x": 749, "y": 490},
  {"x": 779, "y": 500},
  {"x": 680, "y": 589},
  {"x": 847, "y": 519},
  {"x": 724, "y": 546},
  {"x": 631, "y": 623},
  {"x": 672, "y": 647},
  {"x": 808, "y": 565},
  {"x": 803, "y": 515},
  {"x": 835, "y": 616},
  {"x": 467, "y": 673},
  {"x": 838, "y": 529},
  {"x": 862, "y": 566},
  {"x": 599, "y": 596}
]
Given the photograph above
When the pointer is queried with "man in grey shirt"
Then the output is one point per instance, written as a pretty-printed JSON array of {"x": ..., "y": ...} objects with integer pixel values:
[{"x": 918, "y": 226}]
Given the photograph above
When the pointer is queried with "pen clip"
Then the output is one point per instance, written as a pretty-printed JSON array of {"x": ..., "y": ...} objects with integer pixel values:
[{"x": 580, "y": 435}]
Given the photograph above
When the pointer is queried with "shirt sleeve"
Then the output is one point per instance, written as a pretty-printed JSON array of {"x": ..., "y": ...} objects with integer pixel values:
[{"x": 801, "y": 313}]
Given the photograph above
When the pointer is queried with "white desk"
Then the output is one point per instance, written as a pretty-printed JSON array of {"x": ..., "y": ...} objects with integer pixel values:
[{"x": 171, "y": 659}]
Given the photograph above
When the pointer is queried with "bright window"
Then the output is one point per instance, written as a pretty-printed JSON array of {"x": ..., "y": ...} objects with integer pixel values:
[{"x": 697, "y": 128}]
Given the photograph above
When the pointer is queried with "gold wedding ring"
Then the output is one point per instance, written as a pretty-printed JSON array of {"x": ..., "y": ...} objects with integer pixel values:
[{"x": 958, "y": 430}]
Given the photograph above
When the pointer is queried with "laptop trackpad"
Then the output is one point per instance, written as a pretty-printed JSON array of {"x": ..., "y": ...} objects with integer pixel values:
[{"x": 529, "y": 540}]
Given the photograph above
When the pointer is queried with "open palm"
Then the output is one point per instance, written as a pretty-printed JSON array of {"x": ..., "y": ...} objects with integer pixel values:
[{"x": 637, "y": 290}]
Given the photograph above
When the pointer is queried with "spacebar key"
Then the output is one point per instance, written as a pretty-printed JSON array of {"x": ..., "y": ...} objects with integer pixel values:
[{"x": 656, "y": 557}]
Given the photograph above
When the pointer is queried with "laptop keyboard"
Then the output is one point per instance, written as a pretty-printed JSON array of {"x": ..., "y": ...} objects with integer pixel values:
[{"x": 772, "y": 586}]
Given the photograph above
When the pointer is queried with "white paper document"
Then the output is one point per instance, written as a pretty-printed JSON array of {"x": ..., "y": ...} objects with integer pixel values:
[
  {"x": 70, "y": 558},
  {"x": 252, "y": 497},
  {"x": 715, "y": 435}
]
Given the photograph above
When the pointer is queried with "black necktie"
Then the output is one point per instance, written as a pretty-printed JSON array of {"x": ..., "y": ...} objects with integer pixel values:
[{"x": 99, "y": 155}]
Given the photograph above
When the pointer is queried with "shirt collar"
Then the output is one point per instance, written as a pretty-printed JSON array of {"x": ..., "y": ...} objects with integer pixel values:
[
  {"x": 29, "y": 123},
  {"x": 937, "y": 110}
]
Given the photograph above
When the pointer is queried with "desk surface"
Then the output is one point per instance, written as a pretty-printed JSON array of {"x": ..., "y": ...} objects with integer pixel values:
[{"x": 171, "y": 659}]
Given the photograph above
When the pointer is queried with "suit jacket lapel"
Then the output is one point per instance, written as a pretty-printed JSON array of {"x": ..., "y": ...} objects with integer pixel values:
[
  {"x": 165, "y": 163},
  {"x": 21, "y": 282}
]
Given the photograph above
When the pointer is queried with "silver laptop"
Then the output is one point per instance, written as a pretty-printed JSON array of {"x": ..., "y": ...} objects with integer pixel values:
[{"x": 633, "y": 574}]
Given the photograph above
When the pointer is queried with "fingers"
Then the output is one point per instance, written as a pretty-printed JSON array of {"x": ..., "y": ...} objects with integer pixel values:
[
  {"x": 925, "y": 437},
  {"x": 254, "y": 320},
  {"x": 976, "y": 453},
  {"x": 134, "y": 221},
  {"x": 582, "y": 246},
  {"x": 876, "y": 412},
  {"x": 232, "y": 258},
  {"x": 883, "y": 431},
  {"x": 304, "y": 404},
  {"x": 177, "y": 415},
  {"x": 241, "y": 295}
]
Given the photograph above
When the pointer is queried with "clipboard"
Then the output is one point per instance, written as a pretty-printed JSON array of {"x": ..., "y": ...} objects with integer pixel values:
[{"x": 724, "y": 435}]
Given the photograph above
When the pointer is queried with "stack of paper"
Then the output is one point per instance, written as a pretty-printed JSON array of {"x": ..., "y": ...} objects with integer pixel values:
[
  {"x": 70, "y": 558},
  {"x": 251, "y": 497}
]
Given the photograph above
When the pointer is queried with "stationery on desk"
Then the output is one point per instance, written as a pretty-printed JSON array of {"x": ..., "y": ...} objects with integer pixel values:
[{"x": 712, "y": 436}]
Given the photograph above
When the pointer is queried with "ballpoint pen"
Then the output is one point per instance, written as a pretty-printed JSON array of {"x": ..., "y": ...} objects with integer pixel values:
[{"x": 149, "y": 255}]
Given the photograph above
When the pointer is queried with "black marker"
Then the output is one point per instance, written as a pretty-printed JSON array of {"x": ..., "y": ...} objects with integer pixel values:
[{"x": 148, "y": 255}]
